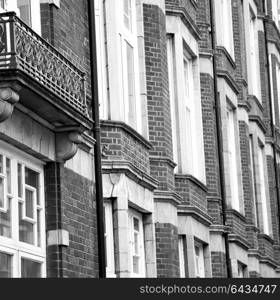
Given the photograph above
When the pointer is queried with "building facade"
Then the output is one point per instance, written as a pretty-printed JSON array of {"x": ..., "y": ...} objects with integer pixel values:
[
  {"x": 190, "y": 138},
  {"x": 189, "y": 95},
  {"x": 47, "y": 183}
]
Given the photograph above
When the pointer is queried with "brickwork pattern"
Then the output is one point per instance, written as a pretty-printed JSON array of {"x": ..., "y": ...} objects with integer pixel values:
[{"x": 167, "y": 250}]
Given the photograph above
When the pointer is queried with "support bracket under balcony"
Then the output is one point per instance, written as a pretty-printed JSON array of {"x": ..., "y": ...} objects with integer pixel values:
[
  {"x": 67, "y": 144},
  {"x": 8, "y": 98}
]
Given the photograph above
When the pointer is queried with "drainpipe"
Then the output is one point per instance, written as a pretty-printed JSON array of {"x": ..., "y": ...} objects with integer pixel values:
[
  {"x": 219, "y": 137},
  {"x": 271, "y": 117},
  {"x": 97, "y": 146}
]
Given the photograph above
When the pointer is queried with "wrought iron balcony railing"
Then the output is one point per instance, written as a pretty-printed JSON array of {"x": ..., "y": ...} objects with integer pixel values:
[{"x": 24, "y": 50}]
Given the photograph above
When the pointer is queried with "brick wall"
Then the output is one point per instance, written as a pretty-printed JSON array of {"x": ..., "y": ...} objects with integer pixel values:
[
  {"x": 218, "y": 265},
  {"x": 167, "y": 251},
  {"x": 188, "y": 7},
  {"x": 124, "y": 144},
  {"x": 70, "y": 205},
  {"x": 192, "y": 192}
]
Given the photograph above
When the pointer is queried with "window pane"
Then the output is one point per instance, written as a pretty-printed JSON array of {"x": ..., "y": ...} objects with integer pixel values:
[
  {"x": 136, "y": 260},
  {"x": 25, "y": 11},
  {"x": 127, "y": 14},
  {"x": 131, "y": 86},
  {"x": 2, "y": 2},
  {"x": 20, "y": 194},
  {"x": 29, "y": 201},
  {"x": 32, "y": 179},
  {"x": 5, "y": 265},
  {"x": 136, "y": 224},
  {"x": 5, "y": 222},
  {"x": 1, "y": 164},
  {"x": 39, "y": 228},
  {"x": 2, "y": 194},
  {"x": 9, "y": 178},
  {"x": 30, "y": 269},
  {"x": 26, "y": 229}
]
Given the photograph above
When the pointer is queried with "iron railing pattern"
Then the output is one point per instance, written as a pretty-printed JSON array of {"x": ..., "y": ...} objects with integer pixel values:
[{"x": 23, "y": 49}]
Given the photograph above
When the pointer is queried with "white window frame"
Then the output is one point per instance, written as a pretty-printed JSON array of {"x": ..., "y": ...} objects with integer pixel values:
[
  {"x": 173, "y": 98},
  {"x": 241, "y": 270},
  {"x": 101, "y": 59},
  {"x": 272, "y": 87},
  {"x": 265, "y": 215},
  {"x": 182, "y": 260},
  {"x": 252, "y": 46},
  {"x": 121, "y": 107},
  {"x": 185, "y": 104},
  {"x": 109, "y": 236},
  {"x": 224, "y": 26},
  {"x": 142, "y": 260},
  {"x": 13, "y": 245},
  {"x": 278, "y": 91},
  {"x": 232, "y": 136},
  {"x": 200, "y": 270},
  {"x": 35, "y": 13},
  {"x": 275, "y": 6},
  {"x": 253, "y": 175}
]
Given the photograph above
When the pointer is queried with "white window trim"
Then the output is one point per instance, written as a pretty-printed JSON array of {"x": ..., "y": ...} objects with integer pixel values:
[
  {"x": 252, "y": 46},
  {"x": 193, "y": 164},
  {"x": 262, "y": 184},
  {"x": 275, "y": 5},
  {"x": 253, "y": 175},
  {"x": 101, "y": 59},
  {"x": 200, "y": 271},
  {"x": 142, "y": 260},
  {"x": 265, "y": 211},
  {"x": 13, "y": 245},
  {"x": 182, "y": 261},
  {"x": 118, "y": 36},
  {"x": 232, "y": 137},
  {"x": 223, "y": 17},
  {"x": 110, "y": 249},
  {"x": 35, "y": 11}
]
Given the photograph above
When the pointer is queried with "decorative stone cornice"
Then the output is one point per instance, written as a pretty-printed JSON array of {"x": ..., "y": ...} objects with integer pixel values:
[
  {"x": 8, "y": 98},
  {"x": 67, "y": 144}
]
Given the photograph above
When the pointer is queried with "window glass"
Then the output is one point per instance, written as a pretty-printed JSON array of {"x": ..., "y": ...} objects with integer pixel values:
[
  {"x": 21, "y": 234},
  {"x": 199, "y": 260},
  {"x": 24, "y": 7},
  {"x": 5, "y": 221},
  {"x": 2, "y": 193},
  {"x": 127, "y": 11},
  {"x": 30, "y": 269},
  {"x": 265, "y": 218},
  {"x": 182, "y": 262},
  {"x": 137, "y": 244},
  {"x": 5, "y": 265},
  {"x": 233, "y": 167},
  {"x": 131, "y": 85}
]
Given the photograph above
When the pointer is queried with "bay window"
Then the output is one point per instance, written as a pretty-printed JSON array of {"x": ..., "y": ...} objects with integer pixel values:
[
  {"x": 22, "y": 216},
  {"x": 27, "y": 10},
  {"x": 137, "y": 251},
  {"x": 223, "y": 17}
]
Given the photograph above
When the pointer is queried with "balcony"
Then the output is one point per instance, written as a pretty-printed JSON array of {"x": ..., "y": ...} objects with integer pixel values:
[{"x": 46, "y": 82}]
